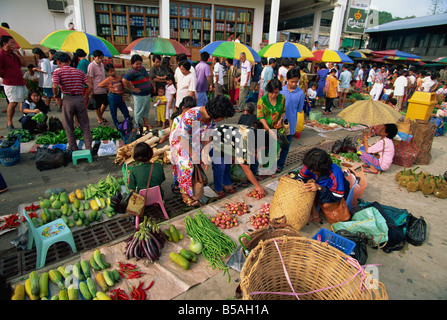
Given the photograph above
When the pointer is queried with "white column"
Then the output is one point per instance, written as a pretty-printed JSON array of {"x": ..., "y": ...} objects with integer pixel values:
[
  {"x": 79, "y": 21},
  {"x": 274, "y": 17},
  {"x": 316, "y": 27},
  {"x": 337, "y": 24},
  {"x": 164, "y": 19}
]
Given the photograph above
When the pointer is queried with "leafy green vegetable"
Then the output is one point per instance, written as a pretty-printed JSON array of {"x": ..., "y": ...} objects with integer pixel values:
[{"x": 25, "y": 135}]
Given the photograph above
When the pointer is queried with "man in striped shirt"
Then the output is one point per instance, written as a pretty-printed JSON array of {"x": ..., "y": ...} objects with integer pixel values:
[{"x": 71, "y": 81}]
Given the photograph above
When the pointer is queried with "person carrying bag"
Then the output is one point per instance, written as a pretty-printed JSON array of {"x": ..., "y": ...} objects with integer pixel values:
[{"x": 137, "y": 202}]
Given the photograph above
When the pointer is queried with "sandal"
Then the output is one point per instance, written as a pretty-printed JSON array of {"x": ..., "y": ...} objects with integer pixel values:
[
  {"x": 368, "y": 170},
  {"x": 221, "y": 194},
  {"x": 104, "y": 122},
  {"x": 190, "y": 202},
  {"x": 230, "y": 190}
]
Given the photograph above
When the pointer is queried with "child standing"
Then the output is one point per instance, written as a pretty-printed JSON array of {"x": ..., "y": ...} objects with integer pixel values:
[
  {"x": 31, "y": 78},
  {"x": 170, "y": 96},
  {"x": 160, "y": 104},
  {"x": 114, "y": 84}
]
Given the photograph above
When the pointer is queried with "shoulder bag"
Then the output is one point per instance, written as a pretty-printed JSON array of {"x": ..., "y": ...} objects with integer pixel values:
[{"x": 137, "y": 202}]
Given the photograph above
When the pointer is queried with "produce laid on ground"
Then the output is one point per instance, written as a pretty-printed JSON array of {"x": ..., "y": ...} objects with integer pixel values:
[
  {"x": 25, "y": 136},
  {"x": 428, "y": 184},
  {"x": 98, "y": 133},
  {"x": 215, "y": 245},
  {"x": 147, "y": 241},
  {"x": 261, "y": 219},
  {"x": 345, "y": 159},
  {"x": 255, "y": 194}
]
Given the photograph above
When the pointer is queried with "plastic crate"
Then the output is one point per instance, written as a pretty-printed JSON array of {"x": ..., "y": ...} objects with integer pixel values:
[
  {"x": 10, "y": 156},
  {"x": 335, "y": 240}
]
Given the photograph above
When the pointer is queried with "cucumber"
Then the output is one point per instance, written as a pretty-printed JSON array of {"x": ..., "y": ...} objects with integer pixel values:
[
  {"x": 108, "y": 277},
  {"x": 92, "y": 215},
  {"x": 70, "y": 223},
  {"x": 65, "y": 218},
  {"x": 82, "y": 215},
  {"x": 180, "y": 260},
  {"x": 194, "y": 256},
  {"x": 116, "y": 275},
  {"x": 185, "y": 253},
  {"x": 174, "y": 233}
]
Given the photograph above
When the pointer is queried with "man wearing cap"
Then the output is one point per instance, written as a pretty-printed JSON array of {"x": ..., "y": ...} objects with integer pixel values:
[{"x": 71, "y": 81}]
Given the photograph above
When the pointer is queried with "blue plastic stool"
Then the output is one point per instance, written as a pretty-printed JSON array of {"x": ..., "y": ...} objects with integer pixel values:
[
  {"x": 46, "y": 235},
  {"x": 81, "y": 154}
]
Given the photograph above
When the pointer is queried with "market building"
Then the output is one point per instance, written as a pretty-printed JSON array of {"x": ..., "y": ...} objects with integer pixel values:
[
  {"x": 193, "y": 24},
  {"x": 423, "y": 36}
]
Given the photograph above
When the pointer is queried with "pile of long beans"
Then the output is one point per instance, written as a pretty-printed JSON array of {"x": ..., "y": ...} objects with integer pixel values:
[{"x": 216, "y": 245}]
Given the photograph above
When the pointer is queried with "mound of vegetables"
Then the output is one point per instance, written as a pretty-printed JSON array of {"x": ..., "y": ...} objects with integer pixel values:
[
  {"x": 427, "y": 183},
  {"x": 215, "y": 244},
  {"x": 99, "y": 133},
  {"x": 25, "y": 136}
]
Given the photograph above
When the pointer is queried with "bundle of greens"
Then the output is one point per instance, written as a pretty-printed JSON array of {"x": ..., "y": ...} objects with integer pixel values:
[
  {"x": 25, "y": 135},
  {"x": 52, "y": 137}
]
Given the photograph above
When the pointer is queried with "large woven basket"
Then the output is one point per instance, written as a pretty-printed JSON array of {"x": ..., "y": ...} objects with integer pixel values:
[
  {"x": 315, "y": 271},
  {"x": 290, "y": 199},
  {"x": 276, "y": 229}
]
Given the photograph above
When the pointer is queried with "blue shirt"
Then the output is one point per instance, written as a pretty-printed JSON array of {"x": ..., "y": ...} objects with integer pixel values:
[
  {"x": 257, "y": 70},
  {"x": 334, "y": 185},
  {"x": 268, "y": 75},
  {"x": 345, "y": 79},
  {"x": 294, "y": 104}
]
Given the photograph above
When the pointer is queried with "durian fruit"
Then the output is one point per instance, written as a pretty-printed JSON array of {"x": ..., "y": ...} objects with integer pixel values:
[
  {"x": 399, "y": 174},
  {"x": 412, "y": 185},
  {"x": 440, "y": 191},
  {"x": 428, "y": 187},
  {"x": 403, "y": 180}
]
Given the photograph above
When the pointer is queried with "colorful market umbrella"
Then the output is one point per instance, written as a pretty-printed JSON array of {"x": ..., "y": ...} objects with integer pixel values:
[
  {"x": 395, "y": 53},
  {"x": 370, "y": 113},
  {"x": 356, "y": 55},
  {"x": 440, "y": 60},
  {"x": 70, "y": 41},
  {"x": 400, "y": 58},
  {"x": 161, "y": 46},
  {"x": 21, "y": 42},
  {"x": 366, "y": 51},
  {"x": 231, "y": 50},
  {"x": 286, "y": 50},
  {"x": 328, "y": 55}
]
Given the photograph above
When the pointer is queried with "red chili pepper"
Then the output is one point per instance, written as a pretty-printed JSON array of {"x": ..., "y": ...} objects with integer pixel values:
[{"x": 149, "y": 286}]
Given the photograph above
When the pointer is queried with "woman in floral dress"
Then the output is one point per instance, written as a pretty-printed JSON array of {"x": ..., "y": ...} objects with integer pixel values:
[{"x": 191, "y": 136}]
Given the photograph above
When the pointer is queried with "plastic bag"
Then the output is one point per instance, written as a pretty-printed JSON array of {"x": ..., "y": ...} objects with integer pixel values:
[
  {"x": 47, "y": 159},
  {"x": 237, "y": 174},
  {"x": 360, "y": 252},
  {"x": 107, "y": 148},
  {"x": 416, "y": 230},
  {"x": 282, "y": 140}
]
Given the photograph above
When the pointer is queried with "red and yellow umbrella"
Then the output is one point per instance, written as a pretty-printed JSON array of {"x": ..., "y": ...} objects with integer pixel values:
[
  {"x": 20, "y": 41},
  {"x": 328, "y": 55},
  {"x": 286, "y": 50}
]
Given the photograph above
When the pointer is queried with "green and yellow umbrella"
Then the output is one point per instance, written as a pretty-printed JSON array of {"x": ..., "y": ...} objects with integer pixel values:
[
  {"x": 286, "y": 50},
  {"x": 231, "y": 50},
  {"x": 21, "y": 42},
  {"x": 70, "y": 41}
]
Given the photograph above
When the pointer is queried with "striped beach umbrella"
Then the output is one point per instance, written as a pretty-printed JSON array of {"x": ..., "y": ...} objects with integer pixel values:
[
  {"x": 328, "y": 55},
  {"x": 286, "y": 50},
  {"x": 70, "y": 41},
  {"x": 231, "y": 50},
  {"x": 21, "y": 42},
  {"x": 153, "y": 45},
  {"x": 356, "y": 55}
]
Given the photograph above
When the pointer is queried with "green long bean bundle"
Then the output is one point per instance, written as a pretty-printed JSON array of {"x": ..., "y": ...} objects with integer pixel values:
[{"x": 216, "y": 245}]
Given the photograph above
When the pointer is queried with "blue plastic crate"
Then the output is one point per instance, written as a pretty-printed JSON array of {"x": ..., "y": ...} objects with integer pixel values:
[{"x": 335, "y": 240}]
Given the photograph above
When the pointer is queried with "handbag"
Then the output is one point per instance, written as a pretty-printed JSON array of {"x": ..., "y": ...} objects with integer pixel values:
[
  {"x": 360, "y": 252},
  {"x": 335, "y": 211},
  {"x": 137, "y": 202},
  {"x": 199, "y": 180}
]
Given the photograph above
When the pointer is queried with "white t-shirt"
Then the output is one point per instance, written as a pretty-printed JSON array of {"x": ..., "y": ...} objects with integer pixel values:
[
  {"x": 218, "y": 71},
  {"x": 282, "y": 72},
  {"x": 370, "y": 75},
  {"x": 178, "y": 74},
  {"x": 427, "y": 83},
  {"x": 184, "y": 85},
  {"x": 169, "y": 91},
  {"x": 399, "y": 85},
  {"x": 245, "y": 73},
  {"x": 312, "y": 94},
  {"x": 360, "y": 75},
  {"x": 412, "y": 79},
  {"x": 46, "y": 78}
]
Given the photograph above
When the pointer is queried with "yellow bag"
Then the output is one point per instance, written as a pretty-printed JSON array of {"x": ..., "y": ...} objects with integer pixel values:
[{"x": 299, "y": 122}]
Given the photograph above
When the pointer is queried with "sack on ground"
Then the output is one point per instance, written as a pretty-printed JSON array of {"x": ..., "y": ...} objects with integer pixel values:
[
  {"x": 360, "y": 252},
  {"x": 368, "y": 221},
  {"x": 50, "y": 158},
  {"x": 107, "y": 148}
]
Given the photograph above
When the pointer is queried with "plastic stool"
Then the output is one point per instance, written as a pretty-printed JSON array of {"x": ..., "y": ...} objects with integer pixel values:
[{"x": 81, "y": 154}]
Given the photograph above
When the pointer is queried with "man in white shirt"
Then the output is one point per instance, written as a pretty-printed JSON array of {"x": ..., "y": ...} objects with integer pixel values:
[
  {"x": 245, "y": 79},
  {"x": 282, "y": 71},
  {"x": 399, "y": 89},
  {"x": 217, "y": 76}
]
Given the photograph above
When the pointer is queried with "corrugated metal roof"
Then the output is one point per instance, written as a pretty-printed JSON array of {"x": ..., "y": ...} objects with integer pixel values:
[{"x": 420, "y": 22}]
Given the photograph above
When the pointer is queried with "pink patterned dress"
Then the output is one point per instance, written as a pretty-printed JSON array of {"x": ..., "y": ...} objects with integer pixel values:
[{"x": 189, "y": 131}]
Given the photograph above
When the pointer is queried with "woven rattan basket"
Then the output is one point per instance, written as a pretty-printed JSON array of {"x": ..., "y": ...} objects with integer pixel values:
[
  {"x": 290, "y": 199},
  {"x": 315, "y": 271},
  {"x": 276, "y": 229}
]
